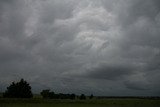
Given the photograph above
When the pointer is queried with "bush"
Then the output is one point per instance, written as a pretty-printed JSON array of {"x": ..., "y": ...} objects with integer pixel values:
[{"x": 82, "y": 97}]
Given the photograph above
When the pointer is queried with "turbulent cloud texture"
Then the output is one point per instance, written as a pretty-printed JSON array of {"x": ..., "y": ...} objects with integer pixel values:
[{"x": 104, "y": 47}]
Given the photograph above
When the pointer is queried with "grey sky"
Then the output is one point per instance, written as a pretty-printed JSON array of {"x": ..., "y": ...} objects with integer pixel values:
[{"x": 104, "y": 47}]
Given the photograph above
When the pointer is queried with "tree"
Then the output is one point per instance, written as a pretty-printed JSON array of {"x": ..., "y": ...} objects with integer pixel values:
[
  {"x": 51, "y": 95},
  {"x": 82, "y": 97},
  {"x": 72, "y": 96},
  {"x": 48, "y": 94},
  {"x": 45, "y": 93},
  {"x": 21, "y": 89},
  {"x": 91, "y": 96}
]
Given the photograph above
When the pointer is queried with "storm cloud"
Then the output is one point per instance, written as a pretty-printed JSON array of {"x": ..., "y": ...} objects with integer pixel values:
[{"x": 104, "y": 47}]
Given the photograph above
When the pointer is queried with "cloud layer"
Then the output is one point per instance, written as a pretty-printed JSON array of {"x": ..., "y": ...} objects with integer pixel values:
[{"x": 103, "y": 47}]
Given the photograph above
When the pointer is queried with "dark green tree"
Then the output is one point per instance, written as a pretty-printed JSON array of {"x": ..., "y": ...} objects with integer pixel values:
[
  {"x": 82, "y": 97},
  {"x": 91, "y": 96},
  {"x": 48, "y": 94},
  {"x": 72, "y": 96},
  {"x": 21, "y": 89},
  {"x": 51, "y": 95},
  {"x": 45, "y": 93}
]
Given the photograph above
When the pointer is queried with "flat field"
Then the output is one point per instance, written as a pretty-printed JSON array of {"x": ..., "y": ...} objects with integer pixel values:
[{"x": 79, "y": 103}]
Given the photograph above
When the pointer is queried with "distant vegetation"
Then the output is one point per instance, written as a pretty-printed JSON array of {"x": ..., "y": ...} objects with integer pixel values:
[
  {"x": 82, "y": 97},
  {"x": 21, "y": 89},
  {"x": 51, "y": 95},
  {"x": 47, "y": 94},
  {"x": 79, "y": 103},
  {"x": 1, "y": 95}
]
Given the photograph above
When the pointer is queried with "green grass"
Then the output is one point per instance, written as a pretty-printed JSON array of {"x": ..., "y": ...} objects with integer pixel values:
[{"x": 79, "y": 103}]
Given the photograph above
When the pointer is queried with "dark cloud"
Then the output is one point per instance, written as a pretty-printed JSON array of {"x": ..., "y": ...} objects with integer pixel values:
[
  {"x": 137, "y": 85},
  {"x": 110, "y": 72},
  {"x": 61, "y": 44}
]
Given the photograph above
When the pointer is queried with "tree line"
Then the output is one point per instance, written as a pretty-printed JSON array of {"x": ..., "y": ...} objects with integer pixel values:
[
  {"x": 51, "y": 95},
  {"x": 22, "y": 89}
]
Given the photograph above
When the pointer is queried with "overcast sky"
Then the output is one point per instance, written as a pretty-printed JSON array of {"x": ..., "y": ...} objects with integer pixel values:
[{"x": 100, "y": 47}]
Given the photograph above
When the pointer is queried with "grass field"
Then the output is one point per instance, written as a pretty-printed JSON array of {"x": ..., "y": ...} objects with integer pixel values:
[{"x": 79, "y": 103}]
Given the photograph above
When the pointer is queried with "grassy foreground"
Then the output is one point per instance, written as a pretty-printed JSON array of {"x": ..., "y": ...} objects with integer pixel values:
[{"x": 79, "y": 103}]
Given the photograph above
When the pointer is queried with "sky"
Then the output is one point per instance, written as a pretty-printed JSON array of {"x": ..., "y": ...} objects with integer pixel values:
[{"x": 100, "y": 47}]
